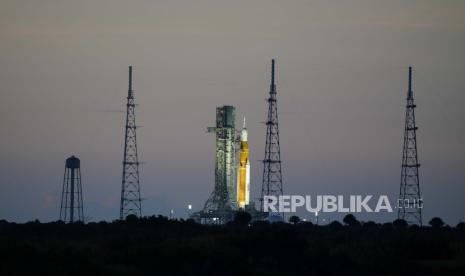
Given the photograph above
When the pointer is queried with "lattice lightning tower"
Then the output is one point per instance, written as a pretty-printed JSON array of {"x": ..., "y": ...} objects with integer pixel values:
[
  {"x": 410, "y": 200},
  {"x": 272, "y": 183},
  {"x": 130, "y": 191}
]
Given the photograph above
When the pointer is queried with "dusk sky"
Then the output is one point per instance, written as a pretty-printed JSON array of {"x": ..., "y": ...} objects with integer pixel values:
[{"x": 341, "y": 72}]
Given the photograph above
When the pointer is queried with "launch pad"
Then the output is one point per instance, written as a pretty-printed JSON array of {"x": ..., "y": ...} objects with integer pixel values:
[
  {"x": 232, "y": 176},
  {"x": 222, "y": 217}
]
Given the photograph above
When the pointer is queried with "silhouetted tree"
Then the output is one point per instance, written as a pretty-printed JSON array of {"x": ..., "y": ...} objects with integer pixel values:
[
  {"x": 294, "y": 220},
  {"x": 414, "y": 227},
  {"x": 350, "y": 220},
  {"x": 400, "y": 224},
  {"x": 306, "y": 224},
  {"x": 132, "y": 218},
  {"x": 242, "y": 218},
  {"x": 370, "y": 225},
  {"x": 190, "y": 221},
  {"x": 460, "y": 226},
  {"x": 334, "y": 225},
  {"x": 150, "y": 244},
  {"x": 436, "y": 222},
  {"x": 261, "y": 223}
]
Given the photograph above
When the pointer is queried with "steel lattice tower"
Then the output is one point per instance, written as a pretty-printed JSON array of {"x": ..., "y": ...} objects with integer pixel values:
[
  {"x": 71, "y": 209},
  {"x": 410, "y": 201},
  {"x": 272, "y": 183},
  {"x": 130, "y": 191}
]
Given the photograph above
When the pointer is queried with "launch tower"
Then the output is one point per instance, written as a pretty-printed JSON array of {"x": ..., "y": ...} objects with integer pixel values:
[{"x": 223, "y": 197}]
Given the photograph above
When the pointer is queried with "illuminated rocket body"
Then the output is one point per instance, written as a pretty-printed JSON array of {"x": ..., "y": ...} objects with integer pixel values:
[{"x": 243, "y": 172}]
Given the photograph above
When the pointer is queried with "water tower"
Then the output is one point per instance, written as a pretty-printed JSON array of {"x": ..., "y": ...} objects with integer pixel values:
[{"x": 71, "y": 197}]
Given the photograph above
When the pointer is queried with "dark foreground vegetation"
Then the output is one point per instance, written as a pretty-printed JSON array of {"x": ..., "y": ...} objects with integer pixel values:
[{"x": 158, "y": 246}]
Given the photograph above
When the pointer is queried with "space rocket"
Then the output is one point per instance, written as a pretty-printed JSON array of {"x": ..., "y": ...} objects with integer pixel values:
[{"x": 243, "y": 171}]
